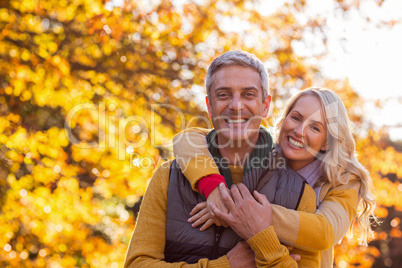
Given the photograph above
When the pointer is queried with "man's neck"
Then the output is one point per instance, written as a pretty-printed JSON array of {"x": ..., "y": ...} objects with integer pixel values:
[{"x": 236, "y": 152}]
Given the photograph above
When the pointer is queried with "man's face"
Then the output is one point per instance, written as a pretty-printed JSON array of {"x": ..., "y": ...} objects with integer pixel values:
[{"x": 235, "y": 105}]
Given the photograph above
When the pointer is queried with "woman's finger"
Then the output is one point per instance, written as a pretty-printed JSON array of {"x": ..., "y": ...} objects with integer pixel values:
[
  {"x": 201, "y": 220},
  {"x": 296, "y": 257},
  {"x": 198, "y": 207},
  {"x": 207, "y": 224},
  {"x": 290, "y": 248},
  {"x": 199, "y": 214}
]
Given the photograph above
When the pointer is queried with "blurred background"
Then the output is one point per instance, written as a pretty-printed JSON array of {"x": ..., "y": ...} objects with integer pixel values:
[{"x": 92, "y": 92}]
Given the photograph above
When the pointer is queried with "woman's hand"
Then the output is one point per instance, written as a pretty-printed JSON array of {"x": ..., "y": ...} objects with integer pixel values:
[
  {"x": 203, "y": 214},
  {"x": 200, "y": 215},
  {"x": 296, "y": 257},
  {"x": 215, "y": 197}
]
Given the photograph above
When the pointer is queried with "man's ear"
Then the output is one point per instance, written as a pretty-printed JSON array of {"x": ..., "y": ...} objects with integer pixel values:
[
  {"x": 267, "y": 103},
  {"x": 208, "y": 106}
]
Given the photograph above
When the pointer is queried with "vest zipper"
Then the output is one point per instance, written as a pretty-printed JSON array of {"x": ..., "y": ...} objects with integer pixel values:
[{"x": 218, "y": 234}]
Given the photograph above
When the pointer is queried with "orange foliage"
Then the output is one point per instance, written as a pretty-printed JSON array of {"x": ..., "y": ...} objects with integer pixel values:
[{"x": 91, "y": 95}]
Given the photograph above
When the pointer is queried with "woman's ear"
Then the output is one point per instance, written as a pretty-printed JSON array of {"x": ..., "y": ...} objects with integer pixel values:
[{"x": 324, "y": 148}]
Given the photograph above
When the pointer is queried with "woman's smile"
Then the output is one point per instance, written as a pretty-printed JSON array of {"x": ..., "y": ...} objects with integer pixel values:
[
  {"x": 304, "y": 132},
  {"x": 296, "y": 143}
]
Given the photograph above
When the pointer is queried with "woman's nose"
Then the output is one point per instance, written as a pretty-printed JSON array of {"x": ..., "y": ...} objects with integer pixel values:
[{"x": 298, "y": 130}]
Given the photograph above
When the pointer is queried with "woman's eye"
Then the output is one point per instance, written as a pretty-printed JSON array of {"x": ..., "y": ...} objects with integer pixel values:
[
  {"x": 295, "y": 118},
  {"x": 315, "y": 128}
]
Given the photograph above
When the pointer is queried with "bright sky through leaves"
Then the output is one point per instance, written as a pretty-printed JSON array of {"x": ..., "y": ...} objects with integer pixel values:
[{"x": 364, "y": 49}]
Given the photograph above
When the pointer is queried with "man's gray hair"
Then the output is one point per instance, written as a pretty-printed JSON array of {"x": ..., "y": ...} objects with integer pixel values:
[{"x": 241, "y": 58}]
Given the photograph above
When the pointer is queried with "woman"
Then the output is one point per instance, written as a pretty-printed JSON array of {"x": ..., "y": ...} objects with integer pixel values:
[{"x": 316, "y": 141}]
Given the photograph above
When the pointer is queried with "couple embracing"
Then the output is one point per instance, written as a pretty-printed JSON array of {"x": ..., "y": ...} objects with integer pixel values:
[{"x": 259, "y": 202}]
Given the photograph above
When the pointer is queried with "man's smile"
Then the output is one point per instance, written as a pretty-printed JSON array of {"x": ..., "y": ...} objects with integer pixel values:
[{"x": 235, "y": 121}]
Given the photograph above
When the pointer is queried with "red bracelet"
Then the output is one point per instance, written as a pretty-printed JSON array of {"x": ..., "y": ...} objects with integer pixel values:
[{"x": 206, "y": 184}]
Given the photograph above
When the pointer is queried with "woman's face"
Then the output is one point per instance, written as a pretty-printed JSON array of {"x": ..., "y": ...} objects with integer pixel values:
[{"x": 304, "y": 132}]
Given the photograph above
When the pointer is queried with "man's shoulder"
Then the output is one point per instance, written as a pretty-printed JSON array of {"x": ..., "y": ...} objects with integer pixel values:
[
  {"x": 163, "y": 168},
  {"x": 166, "y": 164},
  {"x": 160, "y": 178}
]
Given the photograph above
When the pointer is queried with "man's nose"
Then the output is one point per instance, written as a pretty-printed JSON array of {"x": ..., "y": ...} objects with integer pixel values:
[{"x": 236, "y": 104}]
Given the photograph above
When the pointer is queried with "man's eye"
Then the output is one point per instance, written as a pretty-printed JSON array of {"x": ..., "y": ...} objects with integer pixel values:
[{"x": 250, "y": 94}]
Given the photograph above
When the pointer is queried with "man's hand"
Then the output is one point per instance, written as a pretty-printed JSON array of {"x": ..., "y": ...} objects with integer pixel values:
[
  {"x": 241, "y": 256},
  {"x": 247, "y": 216},
  {"x": 216, "y": 198}
]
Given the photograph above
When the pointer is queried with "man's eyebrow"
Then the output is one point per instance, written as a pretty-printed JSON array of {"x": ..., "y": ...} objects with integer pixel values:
[
  {"x": 229, "y": 88},
  {"x": 250, "y": 88},
  {"x": 222, "y": 88}
]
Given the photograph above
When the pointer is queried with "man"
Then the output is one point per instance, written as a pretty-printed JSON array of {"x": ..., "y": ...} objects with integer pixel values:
[{"x": 238, "y": 99}]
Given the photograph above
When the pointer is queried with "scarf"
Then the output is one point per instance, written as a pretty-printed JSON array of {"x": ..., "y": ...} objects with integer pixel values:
[{"x": 256, "y": 164}]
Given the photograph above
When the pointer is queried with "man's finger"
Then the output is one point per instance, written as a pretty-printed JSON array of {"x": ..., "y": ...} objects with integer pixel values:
[
  {"x": 245, "y": 193},
  {"x": 227, "y": 199},
  {"x": 224, "y": 218},
  {"x": 215, "y": 219},
  {"x": 262, "y": 199},
  {"x": 235, "y": 194}
]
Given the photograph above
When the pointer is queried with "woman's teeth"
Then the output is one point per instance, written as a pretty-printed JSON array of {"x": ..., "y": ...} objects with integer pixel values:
[{"x": 296, "y": 143}]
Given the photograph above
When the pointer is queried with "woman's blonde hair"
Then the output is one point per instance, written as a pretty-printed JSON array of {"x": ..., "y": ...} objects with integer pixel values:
[{"x": 339, "y": 163}]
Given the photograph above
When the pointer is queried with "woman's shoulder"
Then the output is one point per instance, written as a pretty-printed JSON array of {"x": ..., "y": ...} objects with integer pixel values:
[{"x": 347, "y": 181}]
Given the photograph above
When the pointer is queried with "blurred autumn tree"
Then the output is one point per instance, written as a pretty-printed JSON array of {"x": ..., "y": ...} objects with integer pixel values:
[{"x": 91, "y": 95}]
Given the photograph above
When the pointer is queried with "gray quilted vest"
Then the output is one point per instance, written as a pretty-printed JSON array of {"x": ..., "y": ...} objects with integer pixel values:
[{"x": 188, "y": 244}]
